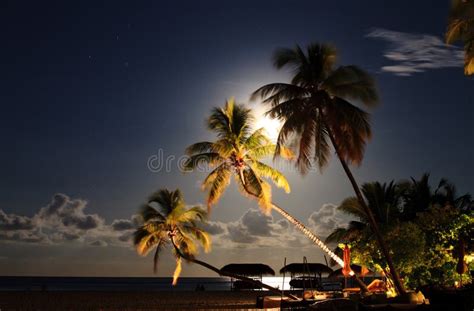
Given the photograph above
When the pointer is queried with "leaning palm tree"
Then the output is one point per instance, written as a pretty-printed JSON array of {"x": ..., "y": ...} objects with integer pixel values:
[
  {"x": 316, "y": 113},
  {"x": 168, "y": 221},
  {"x": 237, "y": 152},
  {"x": 461, "y": 28}
]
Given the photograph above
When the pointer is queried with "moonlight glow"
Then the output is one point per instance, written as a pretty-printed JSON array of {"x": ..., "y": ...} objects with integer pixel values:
[{"x": 271, "y": 126}]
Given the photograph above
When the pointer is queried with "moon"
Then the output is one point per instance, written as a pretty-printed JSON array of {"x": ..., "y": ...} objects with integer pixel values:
[{"x": 271, "y": 126}]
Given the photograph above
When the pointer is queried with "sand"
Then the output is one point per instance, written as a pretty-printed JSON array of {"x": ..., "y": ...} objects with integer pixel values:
[{"x": 207, "y": 300}]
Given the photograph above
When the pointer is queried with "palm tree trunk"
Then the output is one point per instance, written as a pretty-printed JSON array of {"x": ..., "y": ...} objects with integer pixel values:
[
  {"x": 383, "y": 246},
  {"x": 231, "y": 275},
  {"x": 316, "y": 241},
  {"x": 308, "y": 233}
]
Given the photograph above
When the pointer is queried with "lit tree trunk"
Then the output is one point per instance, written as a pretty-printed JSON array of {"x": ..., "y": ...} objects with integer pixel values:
[
  {"x": 300, "y": 226},
  {"x": 231, "y": 275},
  {"x": 373, "y": 224},
  {"x": 316, "y": 241}
]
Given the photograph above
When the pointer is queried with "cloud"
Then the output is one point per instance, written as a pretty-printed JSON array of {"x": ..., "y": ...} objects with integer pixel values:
[
  {"x": 324, "y": 221},
  {"x": 65, "y": 220},
  {"x": 122, "y": 224},
  {"x": 98, "y": 243},
  {"x": 213, "y": 227},
  {"x": 256, "y": 230},
  {"x": 257, "y": 223},
  {"x": 413, "y": 53},
  {"x": 239, "y": 234},
  {"x": 14, "y": 222},
  {"x": 126, "y": 237},
  {"x": 64, "y": 212}
]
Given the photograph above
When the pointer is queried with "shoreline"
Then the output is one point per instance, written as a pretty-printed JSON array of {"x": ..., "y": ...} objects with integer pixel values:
[{"x": 129, "y": 300}]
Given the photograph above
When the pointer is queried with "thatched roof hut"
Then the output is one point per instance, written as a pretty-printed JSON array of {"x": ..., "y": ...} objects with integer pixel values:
[
  {"x": 356, "y": 268},
  {"x": 249, "y": 269},
  {"x": 306, "y": 268}
]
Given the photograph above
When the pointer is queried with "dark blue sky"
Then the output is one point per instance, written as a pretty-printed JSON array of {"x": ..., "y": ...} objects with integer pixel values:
[{"x": 91, "y": 90}]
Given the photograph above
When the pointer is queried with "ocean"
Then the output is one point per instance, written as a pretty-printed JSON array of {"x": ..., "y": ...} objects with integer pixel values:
[
  {"x": 38, "y": 283},
  {"x": 27, "y": 283}
]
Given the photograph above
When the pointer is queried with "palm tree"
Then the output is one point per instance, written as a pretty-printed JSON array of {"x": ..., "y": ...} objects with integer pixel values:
[
  {"x": 167, "y": 220},
  {"x": 461, "y": 28},
  {"x": 384, "y": 201},
  {"x": 446, "y": 194},
  {"x": 238, "y": 152},
  {"x": 315, "y": 112},
  {"x": 405, "y": 202},
  {"x": 418, "y": 196}
]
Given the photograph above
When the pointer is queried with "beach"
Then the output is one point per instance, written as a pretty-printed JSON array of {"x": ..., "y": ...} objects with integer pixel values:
[{"x": 129, "y": 300}]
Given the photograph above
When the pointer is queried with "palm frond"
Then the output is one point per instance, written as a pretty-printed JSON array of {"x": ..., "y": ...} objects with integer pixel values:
[
  {"x": 199, "y": 235},
  {"x": 455, "y": 31},
  {"x": 201, "y": 147},
  {"x": 351, "y": 128},
  {"x": 186, "y": 244},
  {"x": 337, "y": 235},
  {"x": 290, "y": 128},
  {"x": 285, "y": 109},
  {"x": 352, "y": 207},
  {"x": 461, "y": 28},
  {"x": 261, "y": 152},
  {"x": 306, "y": 143},
  {"x": 351, "y": 82},
  {"x": 323, "y": 56},
  {"x": 219, "y": 122},
  {"x": 166, "y": 201},
  {"x": 216, "y": 183},
  {"x": 149, "y": 213},
  {"x": 287, "y": 57},
  {"x": 177, "y": 271},
  {"x": 461, "y": 21},
  {"x": 241, "y": 119},
  {"x": 261, "y": 169},
  {"x": 322, "y": 150},
  {"x": 145, "y": 242},
  {"x": 258, "y": 188},
  {"x": 195, "y": 161},
  {"x": 192, "y": 215},
  {"x": 275, "y": 93},
  {"x": 256, "y": 139}
]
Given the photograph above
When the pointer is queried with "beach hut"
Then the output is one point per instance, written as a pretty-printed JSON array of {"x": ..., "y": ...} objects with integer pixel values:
[
  {"x": 306, "y": 275},
  {"x": 251, "y": 270}
]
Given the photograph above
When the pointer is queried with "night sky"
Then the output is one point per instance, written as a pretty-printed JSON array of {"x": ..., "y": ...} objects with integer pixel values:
[{"x": 90, "y": 91}]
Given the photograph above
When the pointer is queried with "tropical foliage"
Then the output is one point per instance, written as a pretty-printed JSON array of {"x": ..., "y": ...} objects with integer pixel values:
[
  {"x": 237, "y": 152},
  {"x": 461, "y": 28},
  {"x": 166, "y": 219},
  {"x": 422, "y": 227},
  {"x": 315, "y": 107},
  {"x": 316, "y": 111}
]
